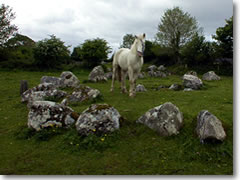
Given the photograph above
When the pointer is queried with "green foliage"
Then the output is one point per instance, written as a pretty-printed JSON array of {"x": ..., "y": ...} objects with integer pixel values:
[
  {"x": 93, "y": 52},
  {"x": 77, "y": 54},
  {"x": 128, "y": 40},
  {"x": 6, "y": 28},
  {"x": 224, "y": 37},
  {"x": 197, "y": 52},
  {"x": 175, "y": 29},
  {"x": 51, "y": 53}
]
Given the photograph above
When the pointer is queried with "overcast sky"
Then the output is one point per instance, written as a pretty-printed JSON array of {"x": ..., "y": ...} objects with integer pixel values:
[{"x": 74, "y": 21}]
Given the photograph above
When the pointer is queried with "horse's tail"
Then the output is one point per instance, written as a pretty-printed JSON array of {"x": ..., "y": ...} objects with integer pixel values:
[{"x": 119, "y": 75}]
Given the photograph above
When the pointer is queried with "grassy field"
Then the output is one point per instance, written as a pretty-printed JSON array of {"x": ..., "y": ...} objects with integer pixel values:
[{"x": 134, "y": 149}]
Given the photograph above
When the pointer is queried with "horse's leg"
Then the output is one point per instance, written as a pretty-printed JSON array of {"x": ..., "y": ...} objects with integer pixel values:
[
  {"x": 131, "y": 82},
  {"x": 123, "y": 84},
  {"x": 113, "y": 78}
]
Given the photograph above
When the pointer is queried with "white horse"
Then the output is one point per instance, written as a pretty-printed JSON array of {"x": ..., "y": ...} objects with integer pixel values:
[{"x": 129, "y": 61}]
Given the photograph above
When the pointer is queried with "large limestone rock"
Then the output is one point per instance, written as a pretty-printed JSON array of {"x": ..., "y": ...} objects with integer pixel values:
[
  {"x": 44, "y": 114},
  {"x": 166, "y": 119},
  {"x": 98, "y": 118},
  {"x": 68, "y": 79},
  {"x": 210, "y": 76},
  {"x": 51, "y": 79},
  {"x": 41, "y": 92},
  {"x": 97, "y": 74},
  {"x": 83, "y": 93},
  {"x": 193, "y": 82},
  {"x": 209, "y": 127}
]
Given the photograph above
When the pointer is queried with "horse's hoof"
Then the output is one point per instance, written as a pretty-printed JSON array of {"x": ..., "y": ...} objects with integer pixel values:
[{"x": 132, "y": 95}]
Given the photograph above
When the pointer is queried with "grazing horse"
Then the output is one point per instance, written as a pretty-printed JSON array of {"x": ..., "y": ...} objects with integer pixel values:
[{"x": 129, "y": 61}]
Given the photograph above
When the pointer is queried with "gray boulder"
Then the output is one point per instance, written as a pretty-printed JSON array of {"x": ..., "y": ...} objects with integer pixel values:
[
  {"x": 166, "y": 119},
  {"x": 41, "y": 92},
  {"x": 193, "y": 82},
  {"x": 140, "y": 88},
  {"x": 98, "y": 118},
  {"x": 97, "y": 74},
  {"x": 161, "y": 68},
  {"x": 108, "y": 75},
  {"x": 44, "y": 114},
  {"x": 175, "y": 87},
  {"x": 68, "y": 79},
  {"x": 83, "y": 93},
  {"x": 51, "y": 79},
  {"x": 209, "y": 127},
  {"x": 152, "y": 68},
  {"x": 210, "y": 76}
]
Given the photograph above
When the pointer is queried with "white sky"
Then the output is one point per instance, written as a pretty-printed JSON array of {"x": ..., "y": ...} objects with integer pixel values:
[{"x": 74, "y": 21}]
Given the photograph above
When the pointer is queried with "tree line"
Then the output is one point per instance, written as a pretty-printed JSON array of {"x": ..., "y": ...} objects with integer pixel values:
[{"x": 179, "y": 41}]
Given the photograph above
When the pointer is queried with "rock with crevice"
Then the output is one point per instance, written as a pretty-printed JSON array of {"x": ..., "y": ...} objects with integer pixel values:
[
  {"x": 99, "y": 119},
  {"x": 165, "y": 119},
  {"x": 68, "y": 79},
  {"x": 209, "y": 127}
]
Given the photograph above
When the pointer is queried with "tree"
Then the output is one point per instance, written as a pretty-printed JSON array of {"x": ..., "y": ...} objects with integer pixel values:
[
  {"x": 197, "y": 51},
  {"x": 128, "y": 40},
  {"x": 176, "y": 29},
  {"x": 6, "y": 28},
  {"x": 224, "y": 37},
  {"x": 93, "y": 52},
  {"x": 77, "y": 54},
  {"x": 51, "y": 53}
]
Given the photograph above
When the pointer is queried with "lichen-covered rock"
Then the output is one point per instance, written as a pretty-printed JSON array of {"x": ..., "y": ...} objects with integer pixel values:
[
  {"x": 209, "y": 127},
  {"x": 45, "y": 114},
  {"x": 140, "y": 88},
  {"x": 194, "y": 73},
  {"x": 193, "y": 82},
  {"x": 51, "y": 79},
  {"x": 157, "y": 74},
  {"x": 41, "y": 92},
  {"x": 211, "y": 76},
  {"x": 166, "y": 119},
  {"x": 83, "y": 93},
  {"x": 68, "y": 79},
  {"x": 98, "y": 118},
  {"x": 97, "y": 74}
]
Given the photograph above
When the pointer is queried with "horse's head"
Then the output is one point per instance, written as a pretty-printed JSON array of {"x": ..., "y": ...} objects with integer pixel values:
[{"x": 140, "y": 43}]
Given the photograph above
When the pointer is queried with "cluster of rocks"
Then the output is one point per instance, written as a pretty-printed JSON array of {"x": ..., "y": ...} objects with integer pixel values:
[{"x": 154, "y": 71}]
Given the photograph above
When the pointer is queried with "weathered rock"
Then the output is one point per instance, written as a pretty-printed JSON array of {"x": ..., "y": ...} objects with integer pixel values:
[
  {"x": 51, "y": 79},
  {"x": 209, "y": 127},
  {"x": 166, "y": 119},
  {"x": 175, "y": 87},
  {"x": 44, "y": 114},
  {"x": 161, "y": 68},
  {"x": 98, "y": 118},
  {"x": 210, "y": 76},
  {"x": 157, "y": 74},
  {"x": 97, "y": 74},
  {"x": 141, "y": 75},
  {"x": 152, "y": 68},
  {"x": 83, "y": 93},
  {"x": 187, "y": 89},
  {"x": 140, "y": 88},
  {"x": 68, "y": 79},
  {"x": 23, "y": 86},
  {"x": 161, "y": 87},
  {"x": 193, "y": 82},
  {"x": 41, "y": 92}
]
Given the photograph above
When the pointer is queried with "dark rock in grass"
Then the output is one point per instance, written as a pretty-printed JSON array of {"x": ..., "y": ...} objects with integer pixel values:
[
  {"x": 98, "y": 118},
  {"x": 44, "y": 114},
  {"x": 166, "y": 119},
  {"x": 51, "y": 79},
  {"x": 175, "y": 87},
  {"x": 41, "y": 92},
  {"x": 161, "y": 68},
  {"x": 209, "y": 127},
  {"x": 97, "y": 74},
  {"x": 140, "y": 88},
  {"x": 23, "y": 86},
  {"x": 157, "y": 74},
  {"x": 108, "y": 75},
  {"x": 161, "y": 87},
  {"x": 68, "y": 79},
  {"x": 210, "y": 76},
  {"x": 141, "y": 75},
  {"x": 193, "y": 82},
  {"x": 187, "y": 89},
  {"x": 83, "y": 93}
]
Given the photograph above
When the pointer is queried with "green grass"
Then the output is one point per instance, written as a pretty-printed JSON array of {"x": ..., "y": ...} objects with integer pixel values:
[{"x": 134, "y": 149}]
